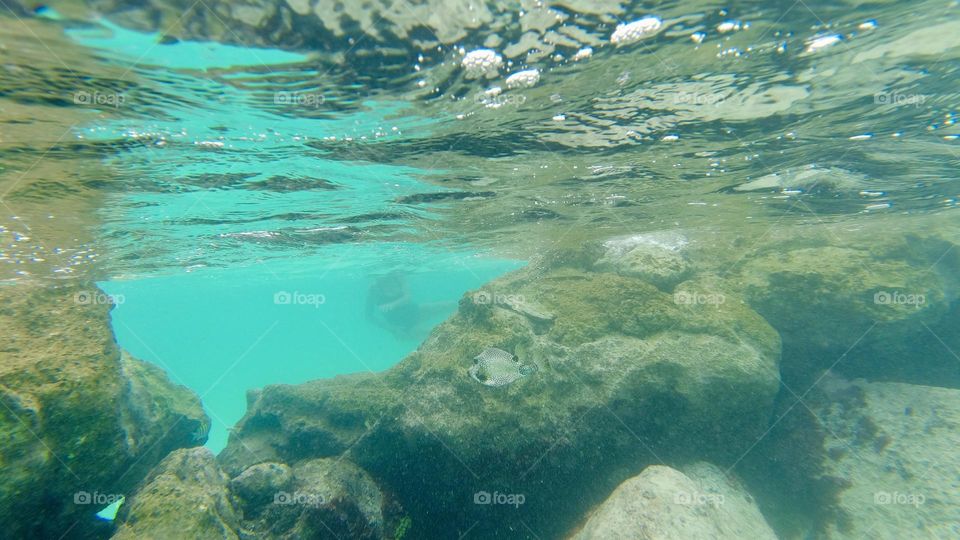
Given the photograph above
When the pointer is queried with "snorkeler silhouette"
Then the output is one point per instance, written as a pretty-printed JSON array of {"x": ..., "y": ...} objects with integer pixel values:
[{"x": 391, "y": 306}]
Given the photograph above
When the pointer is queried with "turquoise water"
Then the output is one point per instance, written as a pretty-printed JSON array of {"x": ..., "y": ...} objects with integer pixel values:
[
  {"x": 730, "y": 241},
  {"x": 175, "y": 211},
  {"x": 324, "y": 331}
]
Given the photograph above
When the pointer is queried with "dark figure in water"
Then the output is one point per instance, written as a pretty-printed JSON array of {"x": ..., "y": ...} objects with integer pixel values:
[{"x": 390, "y": 305}]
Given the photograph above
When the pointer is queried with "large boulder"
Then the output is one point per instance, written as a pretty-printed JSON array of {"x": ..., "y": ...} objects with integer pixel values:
[
  {"x": 832, "y": 295},
  {"x": 662, "y": 503},
  {"x": 859, "y": 307},
  {"x": 185, "y": 496},
  {"x": 83, "y": 422},
  {"x": 897, "y": 449},
  {"x": 855, "y": 459},
  {"x": 588, "y": 377}
]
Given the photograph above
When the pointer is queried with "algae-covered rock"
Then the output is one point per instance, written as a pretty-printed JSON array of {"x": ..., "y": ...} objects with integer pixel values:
[
  {"x": 260, "y": 483},
  {"x": 283, "y": 421},
  {"x": 185, "y": 496},
  {"x": 897, "y": 449},
  {"x": 831, "y": 304},
  {"x": 822, "y": 291},
  {"x": 189, "y": 496},
  {"x": 861, "y": 460},
  {"x": 323, "y": 498},
  {"x": 621, "y": 374},
  {"x": 662, "y": 503},
  {"x": 656, "y": 257},
  {"x": 83, "y": 422}
]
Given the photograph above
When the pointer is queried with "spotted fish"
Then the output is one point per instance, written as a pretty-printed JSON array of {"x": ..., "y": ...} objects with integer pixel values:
[{"x": 496, "y": 367}]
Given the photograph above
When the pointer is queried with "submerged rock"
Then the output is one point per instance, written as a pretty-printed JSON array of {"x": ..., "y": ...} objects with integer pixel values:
[
  {"x": 83, "y": 422},
  {"x": 185, "y": 496},
  {"x": 655, "y": 257},
  {"x": 319, "y": 498},
  {"x": 260, "y": 483},
  {"x": 189, "y": 496},
  {"x": 662, "y": 503},
  {"x": 830, "y": 304},
  {"x": 897, "y": 448},
  {"x": 860, "y": 460},
  {"x": 625, "y": 374}
]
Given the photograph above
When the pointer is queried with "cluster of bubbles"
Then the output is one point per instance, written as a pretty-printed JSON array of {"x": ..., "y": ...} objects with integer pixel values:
[{"x": 486, "y": 63}]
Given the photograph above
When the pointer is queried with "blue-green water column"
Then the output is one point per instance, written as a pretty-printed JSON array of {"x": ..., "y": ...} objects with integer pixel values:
[{"x": 223, "y": 332}]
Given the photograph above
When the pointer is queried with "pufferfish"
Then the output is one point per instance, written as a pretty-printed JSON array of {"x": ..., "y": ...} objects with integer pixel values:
[{"x": 496, "y": 367}]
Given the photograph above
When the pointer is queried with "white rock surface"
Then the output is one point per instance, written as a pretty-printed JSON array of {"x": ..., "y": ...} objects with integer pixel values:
[
  {"x": 662, "y": 503},
  {"x": 898, "y": 447}
]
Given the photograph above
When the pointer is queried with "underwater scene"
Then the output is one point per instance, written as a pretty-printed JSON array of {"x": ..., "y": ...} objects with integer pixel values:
[{"x": 479, "y": 269}]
